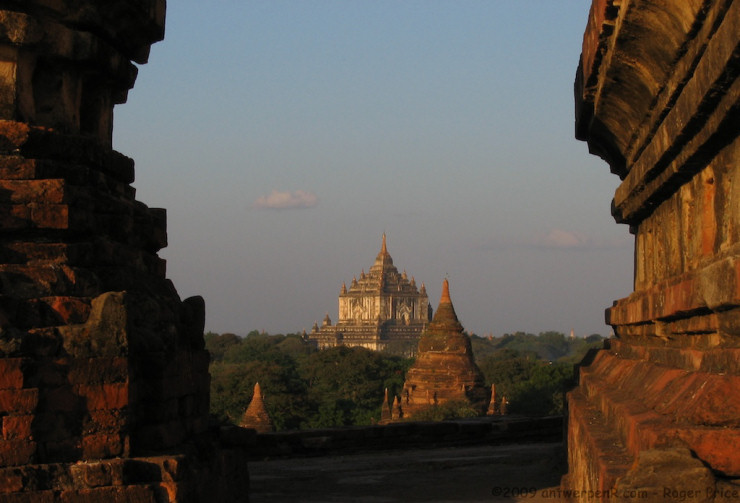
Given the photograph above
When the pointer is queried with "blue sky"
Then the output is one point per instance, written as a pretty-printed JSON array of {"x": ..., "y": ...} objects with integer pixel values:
[{"x": 284, "y": 137}]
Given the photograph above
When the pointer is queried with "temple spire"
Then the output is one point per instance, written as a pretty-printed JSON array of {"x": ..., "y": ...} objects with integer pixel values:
[
  {"x": 445, "y": 314},
  {"x": 445, "y": 298},
  {"x": 256, "y": 415}
]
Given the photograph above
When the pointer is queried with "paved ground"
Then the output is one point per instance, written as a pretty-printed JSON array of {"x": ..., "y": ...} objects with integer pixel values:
[{"x": 443, "y": 475}]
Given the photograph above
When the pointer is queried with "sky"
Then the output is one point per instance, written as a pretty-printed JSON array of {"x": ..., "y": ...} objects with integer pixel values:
[{"x": 285, "y": 137}]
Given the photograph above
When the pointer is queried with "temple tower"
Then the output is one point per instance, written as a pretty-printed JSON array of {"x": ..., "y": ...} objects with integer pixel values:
[
  {"x": 383, "y": 310},
  {"x": 256, "y": 416},
  {"x": 444, "y": 369}
]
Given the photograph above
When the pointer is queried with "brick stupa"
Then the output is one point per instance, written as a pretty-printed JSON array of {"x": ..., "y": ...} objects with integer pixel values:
[
  {"x": 256, "y": 416},
  {"x": 444, "y": 369}
]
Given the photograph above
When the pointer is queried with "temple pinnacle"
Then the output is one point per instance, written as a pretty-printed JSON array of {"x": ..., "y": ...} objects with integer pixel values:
[{"x": 445, "y": 298}]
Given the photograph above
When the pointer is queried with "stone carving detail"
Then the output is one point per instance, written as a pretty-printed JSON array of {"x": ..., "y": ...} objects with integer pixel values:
[{"x": 657, "y": 96}]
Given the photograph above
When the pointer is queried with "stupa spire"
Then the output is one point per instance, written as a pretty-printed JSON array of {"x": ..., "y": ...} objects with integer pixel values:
[
  {"x": 445, "y": 298},
  {"x": 445, "y": 368},
  {"x": 256, "y": 416},
  {"x": 445, "y": 315},
  {"x": 383, "y": 260}
]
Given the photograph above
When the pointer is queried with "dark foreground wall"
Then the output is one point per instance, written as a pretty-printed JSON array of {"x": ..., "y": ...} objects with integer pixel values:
[
  {"x": 658, "y": 97},
  {"x": 104, "y": 388},
  {"x": 403, "y": 435}
]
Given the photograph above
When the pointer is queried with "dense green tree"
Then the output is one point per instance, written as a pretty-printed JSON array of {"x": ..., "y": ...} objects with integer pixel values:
[
  {"x": 305, "y": 388},
  {"x": 543, "y": 391},
  {"x": 283, "y": 391},
  {"x": 346, "y": 385},
  {"x": 217, "y": 344},
  {"x": 448, "y": 410}
]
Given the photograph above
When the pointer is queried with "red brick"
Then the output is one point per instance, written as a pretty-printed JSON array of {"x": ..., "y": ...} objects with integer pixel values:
[
  {"x": 97, "y": 474},
  {"x": 708, "y": 217},
  {"x": 104, "y": 396},
  {"x": 18, "y": 168},
  {"x": 16, "y": 452},
  {"x": 17, "y": 427},
  {"x": 11, "y": 480},
  {"x": 13, "y": 134},
  {"x": 51, "y": 216},
  {"x": 69, "y": 310},
  {"x": 34, "y": 191},
  {"x": 11, "y": 373},
  {"x": 33, "y": 497},
  {"x": 18, "y": 401},
  {"x": 105, "y": 421},
  {"x": 15, "y": 216},
  {"x": 99, "y": 370},
  {"x": 101, "y": 446},
  {"x": 130, "y": 494}
]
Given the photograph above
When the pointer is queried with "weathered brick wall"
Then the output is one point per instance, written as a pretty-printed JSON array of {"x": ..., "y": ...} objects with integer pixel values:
[
  {"x": 658, "y": 96},
  {"x": 99, "y": 357}
]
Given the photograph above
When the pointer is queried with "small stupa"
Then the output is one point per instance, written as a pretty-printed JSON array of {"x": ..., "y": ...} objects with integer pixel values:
[
  {"x": 444, "y": 369},
  {"x": 492, "y": 405},
  {"x": 385, "y": 410},
  {"x": 256, "y": 416}
]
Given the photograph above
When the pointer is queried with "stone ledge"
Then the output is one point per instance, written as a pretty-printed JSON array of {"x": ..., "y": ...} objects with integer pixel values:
[
  {"x": 650, "y": 406},
  {"x": 406, "y": 435}
]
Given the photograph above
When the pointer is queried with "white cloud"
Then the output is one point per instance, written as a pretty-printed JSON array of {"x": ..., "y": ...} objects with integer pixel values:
[
  {"x": 558, "y": 238},
  {"x": 284, "y": 200}
]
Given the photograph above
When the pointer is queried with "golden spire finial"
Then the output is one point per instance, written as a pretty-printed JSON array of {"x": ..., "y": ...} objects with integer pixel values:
[{"x": 383, "y": 249}]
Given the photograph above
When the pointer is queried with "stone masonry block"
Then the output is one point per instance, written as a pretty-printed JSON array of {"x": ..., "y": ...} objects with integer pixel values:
[
  {"x": 11, "y": 480},
  {"x": 98, "y": 370},
  {"x": 18, "y": 401},
  {"x": 11, "y": 373},
  {"x": 16, "y": 452},
  {"x": 105, "y": 421},
  {"x": 17, "y": 427},
  {"x": 104, "y": 396},
  {"x": 103, "y": 445},
  {"x": 130, "y": 494}
]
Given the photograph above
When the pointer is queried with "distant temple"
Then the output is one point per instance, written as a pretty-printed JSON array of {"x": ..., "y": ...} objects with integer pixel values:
[
  {"x": 256, "y": 415},
  {"x": 382, "y": 311},
  {"x": 444, "y": 369}
]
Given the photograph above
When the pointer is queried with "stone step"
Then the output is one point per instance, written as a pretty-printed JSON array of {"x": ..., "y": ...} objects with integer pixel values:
[{"x": 597, "y": 456}]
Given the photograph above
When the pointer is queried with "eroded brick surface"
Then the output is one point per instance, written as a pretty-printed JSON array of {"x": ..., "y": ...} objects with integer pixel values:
[
  {"x": 102, "y": 365},
  {"x": 657, "y": 95}
]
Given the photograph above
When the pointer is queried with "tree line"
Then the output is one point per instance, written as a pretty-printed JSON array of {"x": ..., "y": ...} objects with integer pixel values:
[{"x": 307, "y": 388}]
